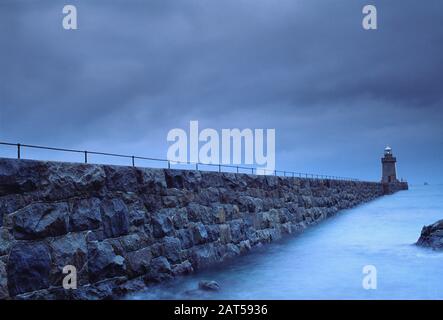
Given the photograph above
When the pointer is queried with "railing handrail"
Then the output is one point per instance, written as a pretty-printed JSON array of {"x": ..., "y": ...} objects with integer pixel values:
[{"x": 288, "y": 174}]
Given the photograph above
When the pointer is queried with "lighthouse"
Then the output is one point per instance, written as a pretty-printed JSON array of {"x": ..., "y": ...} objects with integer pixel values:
[{"x": 389, "y": 172}]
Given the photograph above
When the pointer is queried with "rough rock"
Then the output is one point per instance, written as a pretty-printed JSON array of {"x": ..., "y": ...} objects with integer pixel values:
[
  {"x": 69, "y": 250},
  {"x": 40, "y": 220},
  {"x": 115, "y": 218},
  {"x": 85, "y": 215},
  {"x": 182, "y": 268},
  {"x": 139, "y": 261},
  {"x": 199, "y": 232},
  {"x": 208, "y": 285},
  {"x": 432, "y": 236},
  {"x": 104, "y": 263},
  {"x": 171, "y": 249},
  {"x": 4, "y": 293},
  {"x": 162, "y": 224},
  {"x": 160, "y": 270},
  {"x": 28, "y": 268}
]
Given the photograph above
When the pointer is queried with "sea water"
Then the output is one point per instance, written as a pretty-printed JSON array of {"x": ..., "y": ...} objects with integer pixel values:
[{"x": 327, "y": 260}]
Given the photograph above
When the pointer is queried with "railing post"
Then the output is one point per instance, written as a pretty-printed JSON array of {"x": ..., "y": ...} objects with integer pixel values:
[
  {"x": 169, "y": 164},
  {"x": 237, "y": 169},
  {"x": 252, "y": 170},
  {"x": 133, "y": 161},
  {"x": 196, "y": 166},
  {"x": 86, "y": 156},
  {"x": 219, "y": 168},
  {"x": 18, "y": 150}
]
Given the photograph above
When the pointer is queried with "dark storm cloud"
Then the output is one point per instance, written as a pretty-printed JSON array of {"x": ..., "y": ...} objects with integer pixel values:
[{"x": 335, "y": 93}]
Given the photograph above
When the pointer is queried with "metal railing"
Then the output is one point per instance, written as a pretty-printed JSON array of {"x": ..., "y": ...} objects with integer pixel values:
[{"x": 169, "y": 163}]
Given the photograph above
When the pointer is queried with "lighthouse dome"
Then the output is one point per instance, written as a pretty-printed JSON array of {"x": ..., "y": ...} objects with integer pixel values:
[{"x": 388, "y": 150}]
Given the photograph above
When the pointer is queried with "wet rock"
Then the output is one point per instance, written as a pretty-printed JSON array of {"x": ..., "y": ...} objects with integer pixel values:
[
  {"x": 139, "y": 261},
  {"x": 115, "y": 218},
  {"x": 103, "y": 262},
  {"x": 203, "y": 256},
  {"x": 432, "y": 236},
  {"x": 208, "y": 285},
  {"x": 182, "y": 268},
  {"x": 161, "y": 265},
  {"x": 40, "y": 220},
  {"x": 160, "y": 270},
  {"x": 28, "y": 268},
  {"x": 245, "y": 246}
]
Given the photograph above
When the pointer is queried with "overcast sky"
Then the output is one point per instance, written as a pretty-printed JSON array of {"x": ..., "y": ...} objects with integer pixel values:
[{"x": 335, "y": 93}]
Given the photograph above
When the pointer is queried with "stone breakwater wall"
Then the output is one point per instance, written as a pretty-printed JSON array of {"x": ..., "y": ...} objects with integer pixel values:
[
  {"x": 393, "y": 187},
  {"x": 125, "y": 227}
]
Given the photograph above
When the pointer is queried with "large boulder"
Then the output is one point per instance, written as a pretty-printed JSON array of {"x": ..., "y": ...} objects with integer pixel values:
[
  {"x": 183, "y": 268},
  {"x": 208, "y": 285},
  {"x": 40, "y": 220},
  {"x": 28, "y": 268},
  {"x": 432, "y": 236}
]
